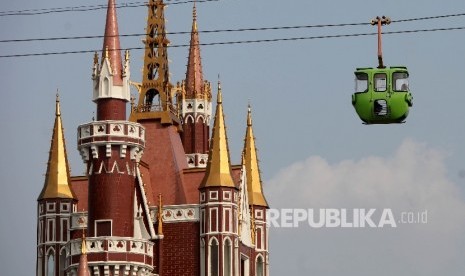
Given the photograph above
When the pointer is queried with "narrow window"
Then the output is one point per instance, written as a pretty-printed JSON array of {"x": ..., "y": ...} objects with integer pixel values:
[
  {"x": 51, "y": 265},
  {"x": 361, "y": 82},
  {"x": 259, "y": 266},
  {"x": 214, "y": 258},
  {"x": 62, "y": 262},
  {"x": 227, "y": 258},
  {"x": 380, "y": 82},
  {"x": 400, "y": 81},
  {"x": 380, "y": 107}
]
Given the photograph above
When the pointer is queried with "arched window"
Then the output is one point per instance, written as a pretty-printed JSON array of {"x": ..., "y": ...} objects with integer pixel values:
[
  {"x": 51, "y": 264},
  {"x": 62, "y": 262},
  {"x": 106, "y": 87},
  {"x": 202, "y": 257},
  {"x": 213, "y": 260},
  {"x": 259, "y": 266},
  {"x": 227, "y": 254}
]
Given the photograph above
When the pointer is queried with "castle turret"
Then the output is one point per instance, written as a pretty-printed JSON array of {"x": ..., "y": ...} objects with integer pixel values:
[
  {"x": 218, "y": 205},
  {"x": 257, "y": 201},
  {"x": 196, "y": 107},
  {"x": 55, "y": 203},
  {"x": 110, "y": 77},
  {"x": 119, "y": 227}
]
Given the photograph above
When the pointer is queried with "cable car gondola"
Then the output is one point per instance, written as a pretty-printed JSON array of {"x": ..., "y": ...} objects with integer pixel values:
[{"x": 382, "y": 94}]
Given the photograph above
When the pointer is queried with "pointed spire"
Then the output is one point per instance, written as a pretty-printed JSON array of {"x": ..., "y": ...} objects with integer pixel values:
[
  {"x": 57, "y": 178},
  {"x": 218, "y": 171},
  {"x": 254, "y": 182},
  {"x": 111, "y": 45},
  {"x": 83, "y": 269},
  {"x": 194, "y": 75}
]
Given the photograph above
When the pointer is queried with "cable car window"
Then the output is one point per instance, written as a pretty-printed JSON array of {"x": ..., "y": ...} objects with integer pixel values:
[
  {"x": 380, "y": 82},
  {"x": 361, "y": 82},
  {"x": 400, "y": 81}
]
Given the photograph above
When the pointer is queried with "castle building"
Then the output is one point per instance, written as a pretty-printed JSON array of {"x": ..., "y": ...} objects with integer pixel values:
[{"x": 159, "y": 196}]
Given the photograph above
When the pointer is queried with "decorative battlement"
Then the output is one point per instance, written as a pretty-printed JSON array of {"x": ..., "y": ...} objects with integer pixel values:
[
  {"x": 128, "y": 135},
  {"x": 177, "y": 213}
]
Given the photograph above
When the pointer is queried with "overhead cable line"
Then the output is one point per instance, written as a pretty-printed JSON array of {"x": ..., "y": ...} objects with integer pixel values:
[
  {"x": 189, "y": 32},
  {"x": 90, "y": 8},
  {"x": 233, "y": 30},
  {"x": 243, "y": 41}
]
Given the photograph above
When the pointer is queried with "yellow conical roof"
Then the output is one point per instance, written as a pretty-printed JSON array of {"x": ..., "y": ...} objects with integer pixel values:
[
  {"x": 218, "y": 173},
  {"x": 57, "y": 178},
  {"x": 254, "y": 182}
]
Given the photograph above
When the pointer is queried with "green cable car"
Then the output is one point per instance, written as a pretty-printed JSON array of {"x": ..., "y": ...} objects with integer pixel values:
[{"x": 382, "y": 94}]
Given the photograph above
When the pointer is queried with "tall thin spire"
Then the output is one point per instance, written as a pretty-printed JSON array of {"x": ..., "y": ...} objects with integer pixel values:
[
  {"x": 218, "y": 171},
  {"x": 57, "y": 178},
  {"x": 111, "y": 43},
  {"x": 194, "y": 74},
  {"x": 254, "y": 182}
]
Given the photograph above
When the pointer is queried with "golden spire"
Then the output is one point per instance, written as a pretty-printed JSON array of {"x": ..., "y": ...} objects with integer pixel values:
[
  {"x": 160, "y": 216},
  {"x": 254, "y": 182},
  {"x": 57, "y": 178},
  {"x": 218, "y": 171}
]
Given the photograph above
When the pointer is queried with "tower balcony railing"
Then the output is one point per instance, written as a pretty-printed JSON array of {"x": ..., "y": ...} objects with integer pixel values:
[
  {"x": 111, "y": 131},
  {"x": 172, "y": 108},
  {"x": 112, "y": 253},
  {"x": 111, "y": 245}
]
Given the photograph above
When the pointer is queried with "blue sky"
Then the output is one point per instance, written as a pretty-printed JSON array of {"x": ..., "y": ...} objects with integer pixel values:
[{"x": 312, "y": 145}]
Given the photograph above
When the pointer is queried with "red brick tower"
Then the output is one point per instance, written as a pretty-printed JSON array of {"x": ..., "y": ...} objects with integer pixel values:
[
  {"x": 119, "y": 228},
  {"x": 55, "y": 204},
  {"x": 195, "y": 105},
  {"x": 218, "y": 205}
]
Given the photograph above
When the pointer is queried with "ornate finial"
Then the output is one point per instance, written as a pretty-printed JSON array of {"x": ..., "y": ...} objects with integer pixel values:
[
  {"x": 160, "y": 215},
  {"x": 219, "y": 98},
  {"x": 249, "y": 115},
  {"x": 194, "y": 11},
  {"x": 194, "y": 16},
  {"x": 126, "y": 55},
  {"x": 57, "y": 107},
  {"x": 106, "y": 52},
  {"x": 95, "y": 58},
  {"x": 83, "y": 245}
]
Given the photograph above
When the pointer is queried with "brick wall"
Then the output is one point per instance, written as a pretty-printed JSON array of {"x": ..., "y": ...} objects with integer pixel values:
[{"x": 181, "y": 249}]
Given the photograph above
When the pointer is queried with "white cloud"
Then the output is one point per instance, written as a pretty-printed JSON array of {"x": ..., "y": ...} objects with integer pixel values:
[{"x": 413, "y": 178}]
